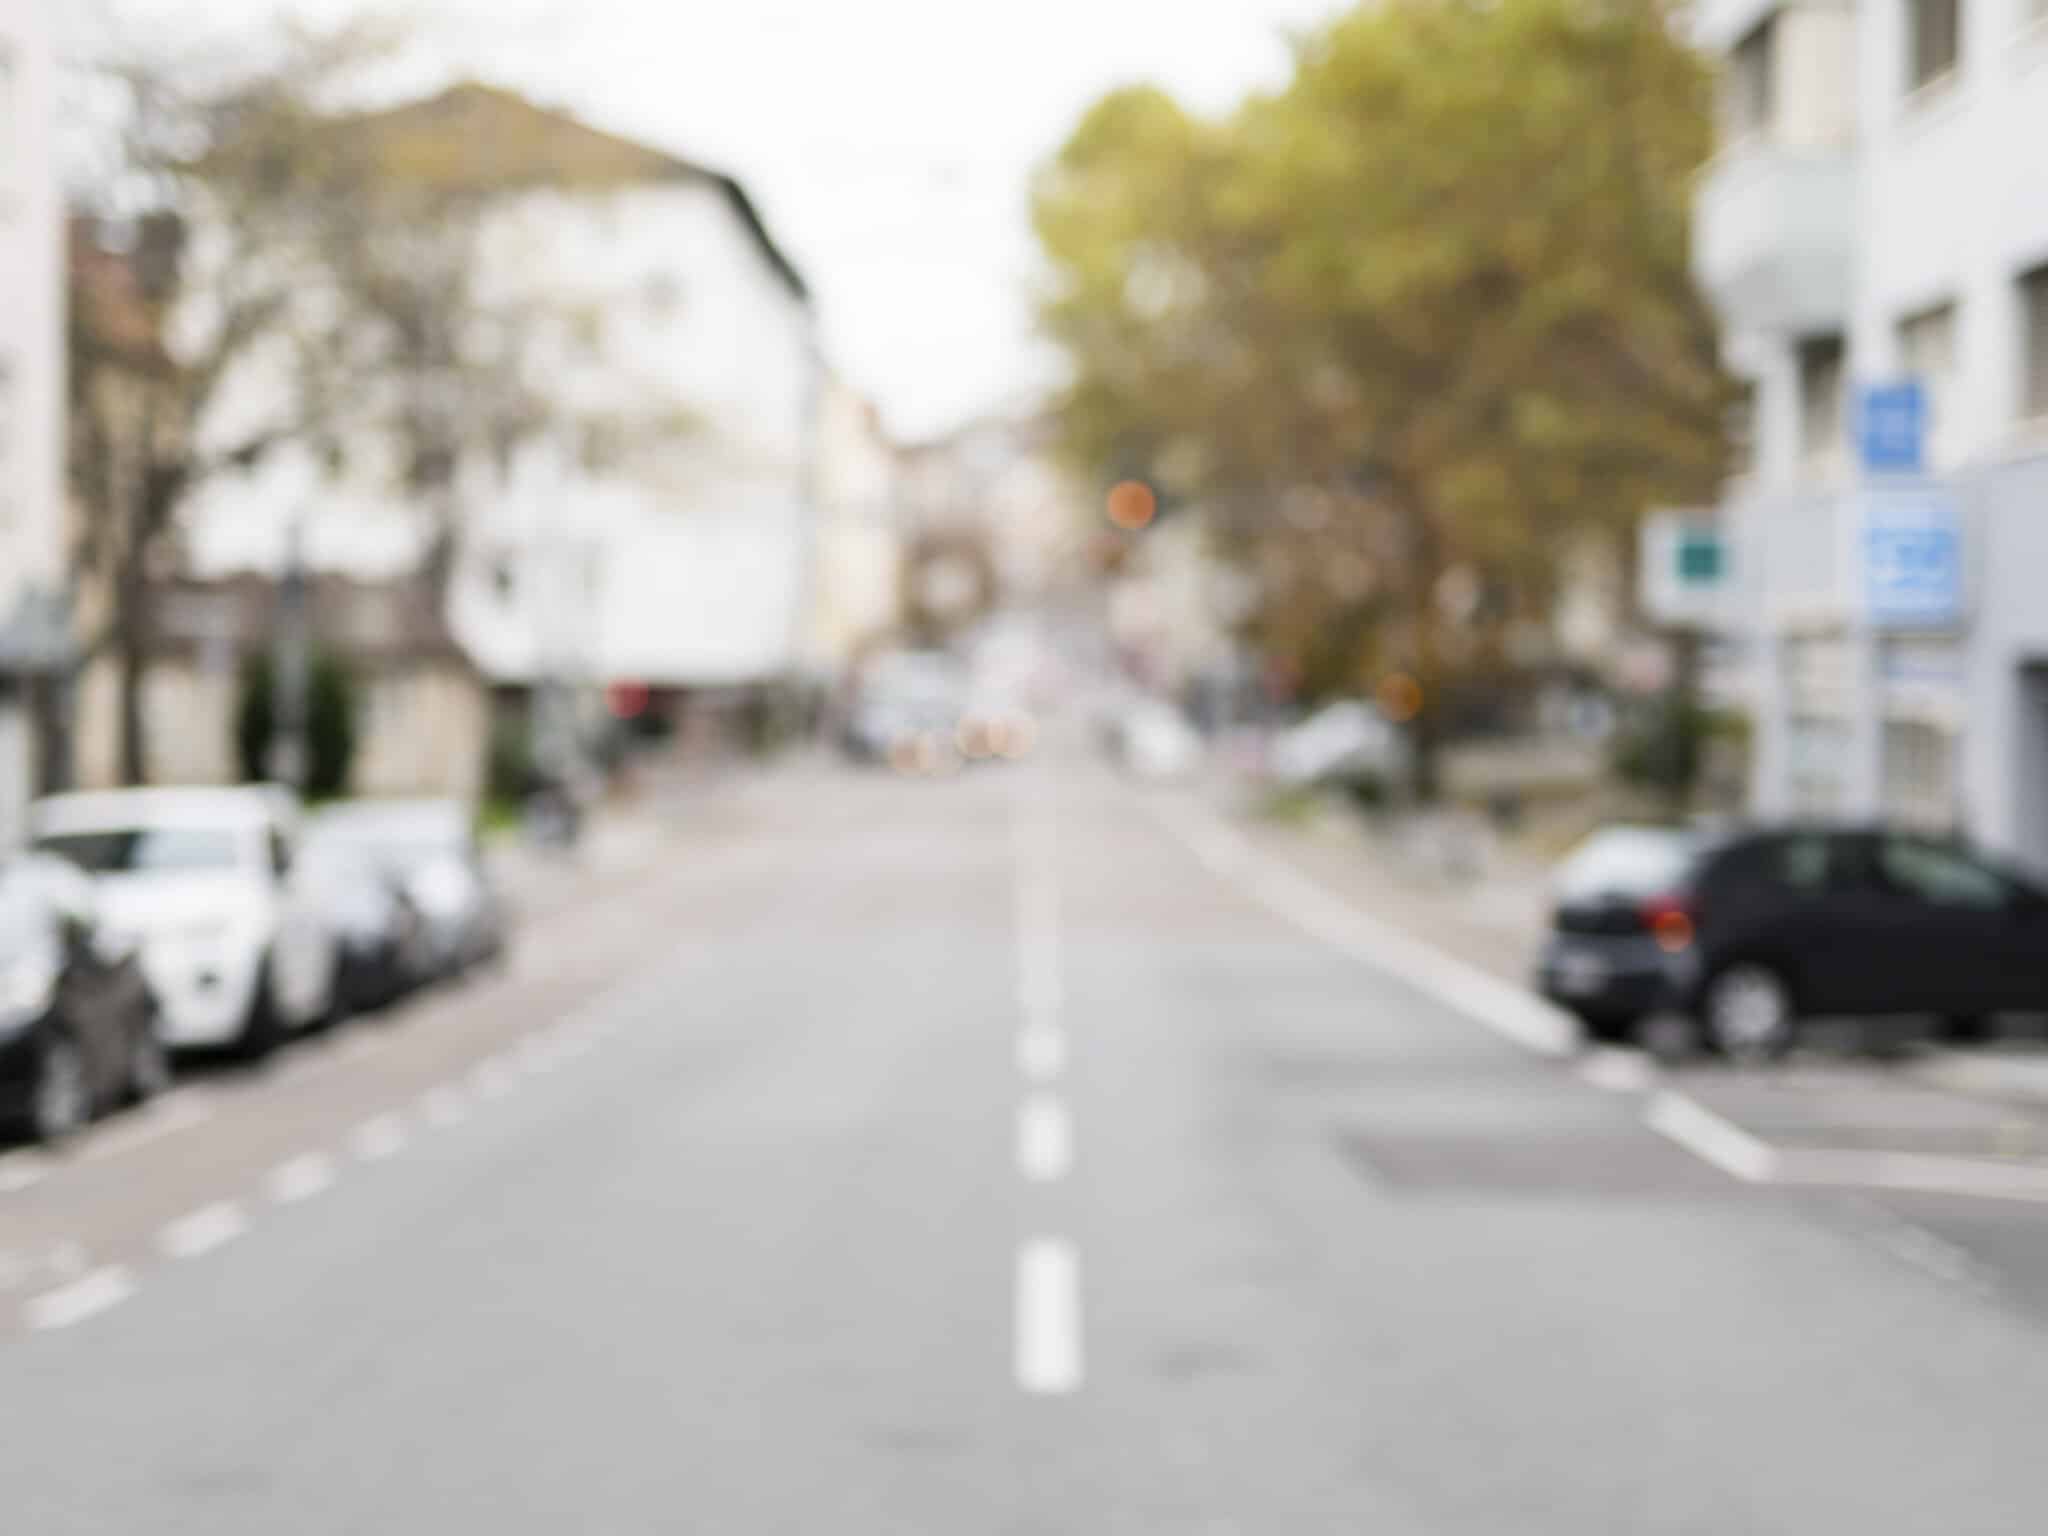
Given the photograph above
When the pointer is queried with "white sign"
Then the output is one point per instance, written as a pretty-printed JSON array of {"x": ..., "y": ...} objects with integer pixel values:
[{"x": 1912, "y": 558}]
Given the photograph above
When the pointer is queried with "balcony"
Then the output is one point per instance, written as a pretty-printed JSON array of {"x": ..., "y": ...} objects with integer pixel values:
[{"x": 1772, "y": 239}]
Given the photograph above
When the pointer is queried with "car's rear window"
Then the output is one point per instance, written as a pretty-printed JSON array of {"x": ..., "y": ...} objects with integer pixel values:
[
  {"x": 145, "y": 850},
  {"x": 1626, "y": 861}
]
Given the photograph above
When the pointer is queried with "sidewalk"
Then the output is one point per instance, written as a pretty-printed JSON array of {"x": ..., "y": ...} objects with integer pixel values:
[{"x": 1490, "y": 908}]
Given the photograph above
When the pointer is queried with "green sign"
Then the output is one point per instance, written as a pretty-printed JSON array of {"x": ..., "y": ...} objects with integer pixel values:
[{"x": 1701, "y": 559}]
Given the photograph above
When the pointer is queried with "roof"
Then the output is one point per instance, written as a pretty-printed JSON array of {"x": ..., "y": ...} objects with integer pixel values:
[
  {"x": 246, "y": 805},
  {"x": 371, "y": 623},
  {"x": 484, "y": 139}
]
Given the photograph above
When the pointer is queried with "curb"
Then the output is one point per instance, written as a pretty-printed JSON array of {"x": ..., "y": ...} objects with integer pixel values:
[{"x": 2014, "y": 1078}]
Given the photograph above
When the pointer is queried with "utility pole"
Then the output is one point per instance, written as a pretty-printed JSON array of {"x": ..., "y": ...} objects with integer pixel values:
[{"x": 287, "y": 761}]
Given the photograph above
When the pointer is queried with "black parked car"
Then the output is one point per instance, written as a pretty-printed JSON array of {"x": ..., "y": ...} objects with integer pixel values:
[
  {"x": 77, "y": 1023},
  {"x": 1750, "y": 932}
]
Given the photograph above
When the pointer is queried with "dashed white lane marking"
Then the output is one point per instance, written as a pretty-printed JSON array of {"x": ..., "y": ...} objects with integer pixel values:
[
  {"x": 202, "y": 1230},
  {"x": 1041, "y": 1054},
  {"x": 1506, "y": 1009},
  {"x": 375, "y": 1140},
  {"x": 300, "y": 1178},
  {"x": 444, "y": 1106},
  {"x": 1045, "y": 1139},
  {"x": 85, "y": 1297},
  {"x": 167, "y": 1117},
  {"x": 1711, "y": 1138},
  {"x": 1048, "y": 1343},
  {"x": 22, "y": 1170}
]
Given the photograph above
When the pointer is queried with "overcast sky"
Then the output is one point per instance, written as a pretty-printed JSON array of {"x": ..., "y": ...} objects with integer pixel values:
[{"x": 888, "y": 142}]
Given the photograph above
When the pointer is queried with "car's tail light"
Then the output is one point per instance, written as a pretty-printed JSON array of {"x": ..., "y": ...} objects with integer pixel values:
[{"x": 1669, "y": 920}]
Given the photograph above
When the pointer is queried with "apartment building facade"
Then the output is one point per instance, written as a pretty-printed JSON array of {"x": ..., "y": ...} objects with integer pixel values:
[
  {"x": 32, "y": 625},
  {"x": 1873, "y": 233}
]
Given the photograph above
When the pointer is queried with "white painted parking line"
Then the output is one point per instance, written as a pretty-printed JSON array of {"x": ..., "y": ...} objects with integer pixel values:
[
  {"x": 300, "y": 1178},
  {"x": 1618, "y": 1071},
  {"x": 22, "y": 1170},
  {"x": 1711, "y": 1138},
  {"x": 375, "y": 1140},
  {"x": 1041, "y": 1055},
  {"x": 85, "y": 1297},
  {"x": 1048, "y": 1342},
  {"x": 167, "y": 1117},
  {"x": 444, "y": 1106},
  {"x": 1877, "y": 1169},
  {"x": 1045, "y": 1139},
  {"x": 202, "y": 1230}
]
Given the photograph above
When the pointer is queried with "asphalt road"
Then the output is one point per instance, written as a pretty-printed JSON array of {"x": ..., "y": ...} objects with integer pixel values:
[{"x": 980, "y": 1156}]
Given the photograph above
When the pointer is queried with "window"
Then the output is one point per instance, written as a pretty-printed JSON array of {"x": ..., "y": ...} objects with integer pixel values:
[
  {"x": 1820, "y": 399},
  {"x": 280, "y": 854},
  {"x": 126, "y": 850},
  {"x": 1741, "y": 429},
  {"x": 2034, "y": 338},
  {"x": 1940, "y": 877},
  {"x": 1919, "y": 787},
  {"x": 1927, "y": 350},
  {"x": 1803, "y": 863},
  {"x": 1748, "y": 84},
  {"x": 1934, "y": 30}
]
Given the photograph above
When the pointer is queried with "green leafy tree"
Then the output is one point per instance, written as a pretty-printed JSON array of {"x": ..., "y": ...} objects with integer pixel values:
[
  {"x": 1410, "y": 327},
  {"x": 330, "y": 723}
]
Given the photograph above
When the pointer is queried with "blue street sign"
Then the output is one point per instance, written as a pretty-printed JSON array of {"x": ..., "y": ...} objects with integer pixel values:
[
  {"x": 1912, "y": 559},
  {"x": 1891, "y": 427}
]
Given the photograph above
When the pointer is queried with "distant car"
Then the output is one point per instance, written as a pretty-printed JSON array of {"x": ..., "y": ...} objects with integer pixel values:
[
  {"x": 1153, "y": 740},
  {"x": 428, "y": 848},
  {"x": 907, "y": 711},
  {"x": 386, "y": 948},
  {"x": 78, "y": 1031},
  {"x": 1754, "y": 931},
  {"x": 236, "y": 952}
]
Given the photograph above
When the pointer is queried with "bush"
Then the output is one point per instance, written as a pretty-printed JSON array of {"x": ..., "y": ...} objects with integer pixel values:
[{"x": 330, "y": 723}]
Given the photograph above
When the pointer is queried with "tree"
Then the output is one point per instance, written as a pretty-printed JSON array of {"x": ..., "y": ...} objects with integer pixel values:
[
  {"x": 214, "y": 167},
  {"x": 330, "y": 722},
  {"x": 1409, "y": 327}
]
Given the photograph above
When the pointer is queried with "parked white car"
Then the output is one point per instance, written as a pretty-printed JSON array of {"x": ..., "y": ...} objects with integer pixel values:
[{"x": 236, "y": 951}]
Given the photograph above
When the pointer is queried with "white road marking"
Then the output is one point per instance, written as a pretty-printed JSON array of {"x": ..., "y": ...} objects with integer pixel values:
[
  {"x": 1504, "y": 1008},
  {"x": 444, "y": 1106},
  {"x": 169, "y": 1115},
  {"x": 1045, "y": 1139},
  {"x": 202, "y": 1231},
  {"x": 1914, "y": 1170},
  {"x": 85, "y": 1297},
  {"x": 1618, "y": 1071},
  {"x": 1041, "y": 1054},
  {"x": 1048, "y": 1355},
  {"x": 1711, "y": 1138},
  {"x": 375, "y": 1140},
  {"x": 22, "y": 1170},
  {"x": 300, "y": 1178}
]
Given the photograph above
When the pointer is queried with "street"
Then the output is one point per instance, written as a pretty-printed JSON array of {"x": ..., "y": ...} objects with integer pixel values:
[{"x": 991, "y": 1154}]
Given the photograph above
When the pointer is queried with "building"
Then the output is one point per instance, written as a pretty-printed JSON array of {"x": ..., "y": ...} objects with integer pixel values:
[
  {"x": 422, "y": 711},
  {"x": 1874, "y": 235},
  {"x": 1000, "y": 480},
  {"x": 656, "y": 526},
  {"x": 33, "y": 627},
  {"x": 856, "y": 588}
]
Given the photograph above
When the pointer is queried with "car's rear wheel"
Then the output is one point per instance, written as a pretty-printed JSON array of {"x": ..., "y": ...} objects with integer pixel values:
[
  {"x": 149, "y": 1063},
  {"x": 1606, "y": 1026},
  {"x": 264, "y": 1030},
  {"x": 1747, "y": 1013},
  {"x": 1968, "y": 1028},
  {"x": 60, "y": 1103}
]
